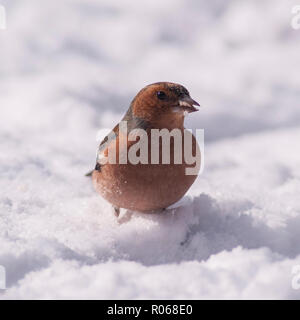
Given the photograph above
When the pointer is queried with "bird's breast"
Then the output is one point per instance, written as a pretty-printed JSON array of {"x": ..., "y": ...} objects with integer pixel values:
[{"x": 154, "y": 175}]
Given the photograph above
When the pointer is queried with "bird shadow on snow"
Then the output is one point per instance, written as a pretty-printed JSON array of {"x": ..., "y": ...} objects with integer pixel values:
[
  {"x": 233, "y": 224},
  {"x": 202, "y": 228},
  {"x": 197, "y": 229}
]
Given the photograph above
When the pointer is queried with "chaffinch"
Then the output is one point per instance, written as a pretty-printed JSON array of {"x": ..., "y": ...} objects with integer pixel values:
[{"x": 147, "y": 185}]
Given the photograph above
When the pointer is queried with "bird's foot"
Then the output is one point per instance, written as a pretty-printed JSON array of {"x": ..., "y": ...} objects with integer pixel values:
[
  {"x": 124, "y": 217},
  {"x": 116, "y": 211}
]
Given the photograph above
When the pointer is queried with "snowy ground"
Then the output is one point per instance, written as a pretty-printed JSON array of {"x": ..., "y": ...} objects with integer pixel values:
[{"x": 69, "y": 68}]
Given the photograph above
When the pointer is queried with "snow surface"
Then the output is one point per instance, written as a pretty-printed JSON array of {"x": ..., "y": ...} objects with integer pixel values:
[{"x": 70, "y": 68}]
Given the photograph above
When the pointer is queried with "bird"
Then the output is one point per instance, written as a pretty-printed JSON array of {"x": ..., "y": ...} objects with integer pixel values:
[{"x": 147, "y": 187}]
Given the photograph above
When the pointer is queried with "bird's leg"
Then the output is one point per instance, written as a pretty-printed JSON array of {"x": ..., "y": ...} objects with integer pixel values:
[{"x": 116, "y": 211}]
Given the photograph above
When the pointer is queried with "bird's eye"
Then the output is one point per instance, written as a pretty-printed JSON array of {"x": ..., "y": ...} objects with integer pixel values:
[{"x": 161, "y": 95}]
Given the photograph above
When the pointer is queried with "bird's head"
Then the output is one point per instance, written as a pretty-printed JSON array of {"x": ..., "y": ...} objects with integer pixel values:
[{"x": 163, "y": 100}]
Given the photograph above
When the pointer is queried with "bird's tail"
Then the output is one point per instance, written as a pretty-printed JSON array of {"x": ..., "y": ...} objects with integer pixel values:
[{"x": 89, "y": 174}]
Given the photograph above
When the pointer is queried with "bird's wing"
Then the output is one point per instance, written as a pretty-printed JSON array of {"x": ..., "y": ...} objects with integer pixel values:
[
  {"x": 132, "y": 123},
  {"x": 105, "y": 143}
]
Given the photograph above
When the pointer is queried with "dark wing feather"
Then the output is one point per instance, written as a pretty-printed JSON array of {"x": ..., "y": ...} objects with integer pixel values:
[{"x": 132, "y": 123}]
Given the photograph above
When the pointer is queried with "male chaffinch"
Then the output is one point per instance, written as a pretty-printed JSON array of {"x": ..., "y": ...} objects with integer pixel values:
[{"x": 146, "y": 187}]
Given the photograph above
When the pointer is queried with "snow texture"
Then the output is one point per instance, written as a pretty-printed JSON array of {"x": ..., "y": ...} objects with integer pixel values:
[{"x": 70, "y": 68}]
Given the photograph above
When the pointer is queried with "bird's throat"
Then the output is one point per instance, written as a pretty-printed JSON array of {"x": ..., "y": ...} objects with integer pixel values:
[{"x": 169, "y": 121}]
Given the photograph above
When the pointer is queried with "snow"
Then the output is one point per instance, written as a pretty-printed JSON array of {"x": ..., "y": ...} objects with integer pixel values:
[{"x": 69, "y": 69}]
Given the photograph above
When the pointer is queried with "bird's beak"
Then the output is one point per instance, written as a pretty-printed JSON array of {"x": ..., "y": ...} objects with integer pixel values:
[{"x": 187, "y": 103}]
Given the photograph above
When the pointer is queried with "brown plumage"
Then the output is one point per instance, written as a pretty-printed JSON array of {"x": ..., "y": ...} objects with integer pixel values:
[{"x": 147, "y": 187}]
